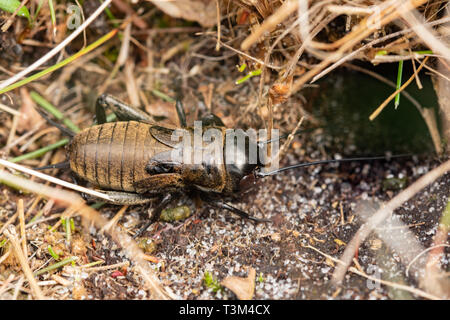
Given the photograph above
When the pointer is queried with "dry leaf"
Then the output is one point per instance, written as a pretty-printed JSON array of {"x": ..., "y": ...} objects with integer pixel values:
[
  {"x": 201, "y": 11},
  {"x": 243, "y": 288},
  {"x": 29, "y": 117},
  {"x": 280, "y": 91}
]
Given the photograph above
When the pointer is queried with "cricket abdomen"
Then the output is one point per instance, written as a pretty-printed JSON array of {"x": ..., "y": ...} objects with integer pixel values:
[{"x": 113, "y": 155}]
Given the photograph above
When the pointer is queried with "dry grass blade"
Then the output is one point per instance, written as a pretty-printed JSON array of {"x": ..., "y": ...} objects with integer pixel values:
[
  {"x": 157, "y": 56},
  {"x": 109, "y": 267},
  {"x": 366, "y": 27},
  {"x": 269, "y": 23},
  {"x": 9, "y": 110},
  {"x": 410, "y": 15},
  {"x": 54, "y": 180},
  {"x": 22, "y": 227},
  {"x": 12, "y": 237},
  {"x": 115, "y": 219}
]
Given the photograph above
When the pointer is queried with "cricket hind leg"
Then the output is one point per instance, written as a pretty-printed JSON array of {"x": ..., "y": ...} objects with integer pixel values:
[
  {"x": 115, "y": 197},
  {"x": 127, "y": 198},
  {"x": 123, "y": 111}
]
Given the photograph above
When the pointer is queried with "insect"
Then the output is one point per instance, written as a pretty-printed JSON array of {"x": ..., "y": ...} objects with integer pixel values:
[{"x": 135, "y": 160}]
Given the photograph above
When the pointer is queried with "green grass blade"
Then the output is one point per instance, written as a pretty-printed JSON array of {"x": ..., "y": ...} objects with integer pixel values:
[
  {"x": 110, "y": 16},
  {"x": 399, "y": 83},
  {"x": 251, "y": 74},
  {"x": 52, "y": 253},
  {"x": 423, "y": 52},
  {"x": 162, "y": 95},
  {"x": 55, "y": 266},
  {"x": 52, "y": 13},
  {"x": 381, "y": 53}
]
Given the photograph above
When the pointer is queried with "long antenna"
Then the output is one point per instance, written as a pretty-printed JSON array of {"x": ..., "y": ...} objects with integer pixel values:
[{"x": 260, "y": 174}]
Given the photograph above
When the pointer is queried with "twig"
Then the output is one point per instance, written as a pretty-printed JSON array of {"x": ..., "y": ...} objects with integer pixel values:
[
  {"x": 350, "y": 10},
  {"x": 18, "y": 287},
  {"x": 416, "y": 291},
  {"x": 382, "y": 214},
  {"x": 24, "y": 136},
  {"x": 303, "y": 13},
  {"x": 418, "y": 82},
  {"x": 12, "y": 132},
  {"x": 435, "y": 71},
  {"x": 5, "y": 284},
  {"x": 128, "y": 10},
  {"x": 250, "y": 57},
  {"x": 7, "y": 223}
]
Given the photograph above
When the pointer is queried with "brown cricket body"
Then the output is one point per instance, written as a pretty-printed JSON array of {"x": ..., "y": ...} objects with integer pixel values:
[{"x": 126, "y": 156}]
